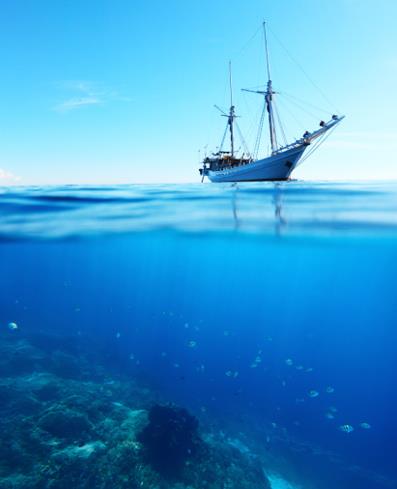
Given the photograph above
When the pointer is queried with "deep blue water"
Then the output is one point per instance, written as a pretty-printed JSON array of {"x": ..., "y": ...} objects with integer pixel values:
[{"x": 232, "y": 301}]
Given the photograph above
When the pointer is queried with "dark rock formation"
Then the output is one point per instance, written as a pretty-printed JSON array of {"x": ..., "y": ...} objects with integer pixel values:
[{"x": 170, "y": 439}]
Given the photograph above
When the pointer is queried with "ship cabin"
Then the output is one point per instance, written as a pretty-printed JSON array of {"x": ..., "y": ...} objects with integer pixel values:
[{"x": 224, "y": 160}]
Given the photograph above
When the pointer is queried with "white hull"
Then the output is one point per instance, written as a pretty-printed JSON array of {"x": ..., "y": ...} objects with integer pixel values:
[{"x": 277, "y": 167}]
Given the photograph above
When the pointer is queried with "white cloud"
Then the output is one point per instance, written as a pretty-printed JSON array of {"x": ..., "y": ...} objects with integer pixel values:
[
  {"x": 340, "y": 144},
  {"x": 76, "y": 103},
  {"x": 85, "y": 94},
  {"x": 76, "y": 85},
  {"x": 7, "y": 177},
  {"x": 364, "y": 140},
  {"x": 385, "y": 136}
]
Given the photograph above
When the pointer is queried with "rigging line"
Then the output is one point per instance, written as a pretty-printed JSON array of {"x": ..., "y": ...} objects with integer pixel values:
[
  {"x": 253, "y": 119},
  {"x": 242, "y": 139},
  {"x": 303, "y": 109},
  {"x": 260, "y": 130},
  {"x": 279, "y": 122},
  {"x": 223, "y": 139},
  {"x": 253, "y": 130},
  {"x": 313, "y": 148},
  {"x": 317, "y": 145},
  {"x": 331, "y": 104},
  {"x": 309, "y": 153},
  {"x": 239, "y": 53},
  {"x": 291, "y": 113},
  {"x": 289, "y": 95}
]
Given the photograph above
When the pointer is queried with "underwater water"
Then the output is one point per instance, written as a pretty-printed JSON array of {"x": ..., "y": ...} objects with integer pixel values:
[{"x": 267, "y": 311}]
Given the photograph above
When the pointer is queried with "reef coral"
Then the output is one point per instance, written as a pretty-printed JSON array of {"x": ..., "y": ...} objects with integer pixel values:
[{"x": 69, "y": 421}]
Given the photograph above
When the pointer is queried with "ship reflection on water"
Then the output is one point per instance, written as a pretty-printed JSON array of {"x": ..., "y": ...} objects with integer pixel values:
[{"x": 280, "y": 222}]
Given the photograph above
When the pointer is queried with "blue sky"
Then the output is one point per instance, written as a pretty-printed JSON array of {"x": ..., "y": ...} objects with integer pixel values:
[{"x": 123, "y": 91}]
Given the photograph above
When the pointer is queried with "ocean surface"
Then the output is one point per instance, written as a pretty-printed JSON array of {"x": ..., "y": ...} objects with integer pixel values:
[{"x": 268, "y": 311}]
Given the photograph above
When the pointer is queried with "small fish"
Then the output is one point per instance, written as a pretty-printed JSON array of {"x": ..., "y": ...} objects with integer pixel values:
[
  {"x": 365, "y": 426},
  {"x": 12, "y": 326},
  {"x": 253, "y": 365},
  {"x": 330, "y": 415},
  {"x": 313, "y": 393},
  {"x": 346, "y": 428},
  {"x": 289, "y": 362},
  {"x": 118, "y": 335},
  {"x": 309, "y": 369},
  {"x": 333, "y": 409},
  {"x": 230, "y": 373},
  {"x": 132, "y": 356},
  {"x": 192, "y": 344},
  {"x": 329, "y": 390},
  {"x": 258, "y": 359},
  {"x": 299, "y": 367}
]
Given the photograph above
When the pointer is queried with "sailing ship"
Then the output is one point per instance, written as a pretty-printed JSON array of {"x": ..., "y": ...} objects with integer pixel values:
[{"x": 230, "y": 166}]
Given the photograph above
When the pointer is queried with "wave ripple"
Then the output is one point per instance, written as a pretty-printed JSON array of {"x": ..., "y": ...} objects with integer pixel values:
[{"x": 288, "y": 208}]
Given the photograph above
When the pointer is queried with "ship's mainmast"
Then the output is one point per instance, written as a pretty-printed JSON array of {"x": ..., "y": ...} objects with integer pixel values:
[
  {"x": 268, "y": 94},
  {"x": 269, "y": 98},
  {"x": 232, "y": 114}
]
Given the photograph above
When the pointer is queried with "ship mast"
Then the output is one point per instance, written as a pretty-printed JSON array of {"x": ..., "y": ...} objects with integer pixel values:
[
  {"x": 269, "y": 98},
  {"x": 268, "y": 94},
  {"x": 232, "y": 114}
]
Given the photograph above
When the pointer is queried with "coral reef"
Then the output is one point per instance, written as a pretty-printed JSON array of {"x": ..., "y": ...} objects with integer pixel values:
[{"x": 67, "y": 421}]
